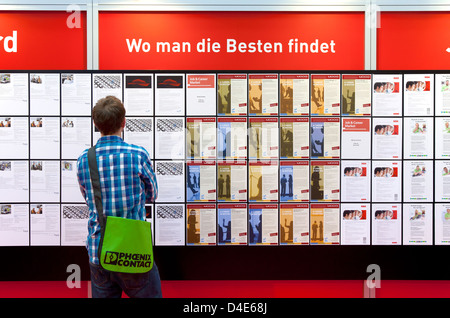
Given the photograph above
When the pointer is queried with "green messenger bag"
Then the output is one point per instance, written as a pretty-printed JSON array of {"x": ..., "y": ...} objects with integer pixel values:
[{"x": 125, "y": 244}]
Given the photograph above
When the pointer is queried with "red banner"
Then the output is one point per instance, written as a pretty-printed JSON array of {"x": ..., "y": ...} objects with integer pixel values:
[
  {"x": 413, "y": 41},
  {"x": 231, "y": 40},
  {"x": 43, "y": 40}
]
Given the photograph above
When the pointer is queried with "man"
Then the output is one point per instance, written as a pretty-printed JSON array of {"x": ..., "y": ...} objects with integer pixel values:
[{"x": 128, "y": 182}]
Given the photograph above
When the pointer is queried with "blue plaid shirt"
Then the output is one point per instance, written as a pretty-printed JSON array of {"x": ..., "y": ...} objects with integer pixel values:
[{"x": 127, "y": 181}]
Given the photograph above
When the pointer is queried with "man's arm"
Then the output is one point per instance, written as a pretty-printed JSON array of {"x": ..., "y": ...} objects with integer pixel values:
[
  {"x": 149, "y": 179},
  {"x": 80, "y": 171}
]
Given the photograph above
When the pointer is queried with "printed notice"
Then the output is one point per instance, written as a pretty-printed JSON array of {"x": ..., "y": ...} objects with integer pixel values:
[
  {"x": 170, "y": 177},
  {"x": 76, "y": 136},
  {"x": 44, "y": 137},
  {"x": 201, "y": 181},
  {"x": 231, "y": 138},
  {"x": 14, "y": 137},
  {"x": 232, "y": 224},
  {"x": 325, "y": 181},
  {"x": 263, "y": 94},
  {"x": 356, "y": 94},
  {"x": 14, "y": 186},
  {"x": 417, "y": 224},
  {"x": 325, "y": 137},
  {"x": 442, "y": 137},
  {"x": 294, "y": 94},
  {"x": 417, "y": 181},
  {"x": 442, "y": 181},
  {"x": 169, "y": 138},
  {"x": 138, "y": 94},
  {"x": 386, "y": 224},
  {"x": 387, "y": 138},
  {"x": 263, "y": 181},
  {"x": 386, "y": 181},
  {"x": 355, "y": 224},
  {"x": 232, "y": 94},
  {"x": 106, "y": 85},
  {"x": 418, "y": 138},
  {"x": 70, "y": 188},
  {"x": 14, "y": 224},
  {"x": 74, "y": 224},
  {"x": 419, "y": 94},
  {"x": 263, "y": 138},
  {"x": 294, "y": 182},
  {"x": 294, "y": 138},
  {"x": 442, "y": 224},
  {"x": 169, "y": 94},
  {"x": 44, "y": 181},
  {"x": 387, "y": 95},
  {"x": 139, "y": 131},
  {"x": 201, "y": 224},
  {"x": 45, "y": 220},
  {"x": 14, "y": 93},
  {"x": 201, "y": 94},
  {"x": 263, "y": 224},
  {"x": 231, "y": 185},
  {"x": 326, "y": 94},
  {"x": 201, "y": 138},
  {"x": 356, "y": 181},
  {"x": 324, "y": 220},
  {"x": 169, "y": 224},
  {"x": 44, "y": 94},
  {"x": 356, "y": 138},
  {"x": 442, "y": 94},
  {"x": 294, "y": 224},
  {"x": 76, "y": 94}
]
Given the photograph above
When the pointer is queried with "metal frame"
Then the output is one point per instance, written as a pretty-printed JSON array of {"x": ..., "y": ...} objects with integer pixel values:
[{"x": 371, "y": 9}]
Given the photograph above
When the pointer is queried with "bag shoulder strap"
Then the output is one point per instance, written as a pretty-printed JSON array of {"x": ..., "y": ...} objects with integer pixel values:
[{"x": 95, "y": 179}]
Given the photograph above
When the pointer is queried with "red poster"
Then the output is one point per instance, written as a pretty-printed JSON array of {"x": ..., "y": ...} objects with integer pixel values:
[
  {"x": 231, "y": 40},
  {"x": 42, "y": 40},
  {"x": 413, "y": 41}
]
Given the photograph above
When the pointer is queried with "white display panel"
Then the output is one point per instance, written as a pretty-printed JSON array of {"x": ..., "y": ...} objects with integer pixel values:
[{"x": 46, "y": 124}]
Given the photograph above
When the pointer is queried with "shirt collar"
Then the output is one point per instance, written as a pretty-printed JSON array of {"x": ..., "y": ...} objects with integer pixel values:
[{"x": 108, "y": 139}]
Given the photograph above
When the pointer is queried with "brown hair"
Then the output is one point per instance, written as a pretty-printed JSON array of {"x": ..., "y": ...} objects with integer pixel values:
[{"x": 108, "y": 115}]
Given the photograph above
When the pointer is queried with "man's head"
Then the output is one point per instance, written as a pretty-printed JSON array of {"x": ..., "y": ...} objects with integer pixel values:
[{"x": 109, "y": 115}]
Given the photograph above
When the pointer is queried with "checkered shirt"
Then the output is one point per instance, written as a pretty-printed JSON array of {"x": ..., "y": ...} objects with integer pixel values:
[{"x": 127, "y": 181}]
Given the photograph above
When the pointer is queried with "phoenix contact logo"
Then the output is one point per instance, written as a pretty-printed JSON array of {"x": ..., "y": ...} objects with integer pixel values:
[{"x": 128, "y": 259}]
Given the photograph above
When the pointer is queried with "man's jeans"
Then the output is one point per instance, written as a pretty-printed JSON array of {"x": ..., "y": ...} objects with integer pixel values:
[{"x": 107, "y": 284}]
